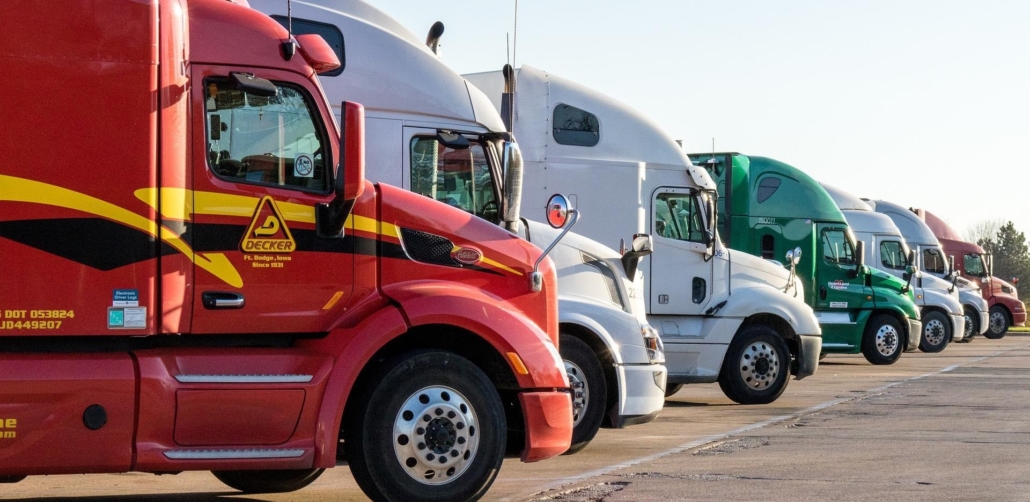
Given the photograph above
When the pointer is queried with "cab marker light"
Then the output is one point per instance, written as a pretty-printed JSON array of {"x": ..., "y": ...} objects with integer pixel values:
[{"x": 516, "y": 361}]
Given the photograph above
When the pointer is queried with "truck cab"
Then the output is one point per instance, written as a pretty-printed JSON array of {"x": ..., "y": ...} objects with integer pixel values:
[
  {"x": 973, "y": 264},
  {"x": 711, "y": 306},
  {"x": 932, "y": 261},
  {"x": 433, "y": 133},
  {"x": 220, "y": 288},
  {"x": 886, "y": 250},
  {"x": 770, "y": 208}
]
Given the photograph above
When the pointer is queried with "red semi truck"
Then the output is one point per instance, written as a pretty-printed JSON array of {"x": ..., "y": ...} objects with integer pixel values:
[
  {"x": 188, "y": 282},
  {"x": 974, "y": 265}
]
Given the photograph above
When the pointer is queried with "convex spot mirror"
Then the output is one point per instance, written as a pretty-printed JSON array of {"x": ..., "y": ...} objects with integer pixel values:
[
  {"x": 642, "y": 243},
  {"x": 452, "y": 140},
  {"x": 557, "y": 211}
]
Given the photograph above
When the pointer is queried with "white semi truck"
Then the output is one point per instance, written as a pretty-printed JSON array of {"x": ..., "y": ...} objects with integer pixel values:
[
  {"x": 429, "y": 131},
  {"x": 723, "y": 316},
  {"x": 886, "y": 249},
  {"x": 931, "y": 261}
]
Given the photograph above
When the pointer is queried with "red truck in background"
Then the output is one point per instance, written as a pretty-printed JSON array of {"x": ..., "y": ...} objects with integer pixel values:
[
  {"x": 187, "y": 282},
  {"x": 974, "y": 265}
]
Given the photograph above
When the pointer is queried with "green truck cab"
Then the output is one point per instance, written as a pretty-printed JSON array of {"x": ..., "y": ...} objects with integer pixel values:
[{"x": 768, "y": 208}]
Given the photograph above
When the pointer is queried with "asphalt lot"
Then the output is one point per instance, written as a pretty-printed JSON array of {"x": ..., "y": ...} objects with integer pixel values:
[{"x": 947, "y": 426}]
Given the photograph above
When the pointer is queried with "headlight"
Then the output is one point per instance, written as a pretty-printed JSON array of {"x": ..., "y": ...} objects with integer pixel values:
[{"x": 653, "y": 343}]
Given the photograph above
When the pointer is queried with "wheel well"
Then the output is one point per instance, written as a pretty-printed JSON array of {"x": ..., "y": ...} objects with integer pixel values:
[
  {"x": 463, "y": 343},
  {"x": 589, "y": 337},
  {"x": 777, "y": 323},
  {"x": 1008, "y": 313}
]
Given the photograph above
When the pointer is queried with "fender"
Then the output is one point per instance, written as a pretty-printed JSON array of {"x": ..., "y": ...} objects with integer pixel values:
[
  {"x": 950, "y": 304},
  {"x": 507, "y": 330},
  {"x": 601, "y": 320},
  {"x": 746, "y": 302}
]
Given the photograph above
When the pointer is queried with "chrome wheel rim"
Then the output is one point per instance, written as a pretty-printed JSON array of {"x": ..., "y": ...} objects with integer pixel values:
[
  {"x": 435, "y": 435},
  {"x": 969, "y": 326},
  {"x": 759, "y": 365},
  {"x": 580, "y": 391},
  {"x": 997, "y": 322},
  {"x": 933, "y": 332},
  {"x": 887, "y": 340}
]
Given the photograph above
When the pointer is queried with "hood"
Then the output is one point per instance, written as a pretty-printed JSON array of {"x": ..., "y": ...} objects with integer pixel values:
[
  {"x": 752, "y": 271},
  {"x": 888, "y": 281},
  {"x": 1003, "y": 287},
  {"x": 973, "y": 298},
  {"x": 937, "y": 284}
]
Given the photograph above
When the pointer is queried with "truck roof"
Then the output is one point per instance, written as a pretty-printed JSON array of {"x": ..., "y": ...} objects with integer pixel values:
[
  {"x": 625, "y": 134},
  {"x": 845, "y": 200},
  {"x": 860, "y": 215},
  {"x": 379, "y": 64},
  {"x": 947, "y": 236},
  {"x": 915, "y": 230}
]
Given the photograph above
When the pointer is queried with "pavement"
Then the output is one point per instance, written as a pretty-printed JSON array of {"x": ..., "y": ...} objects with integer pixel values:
[{"x": 946, "y": 426}]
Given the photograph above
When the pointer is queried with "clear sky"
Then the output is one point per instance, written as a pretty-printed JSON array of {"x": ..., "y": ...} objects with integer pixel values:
[{"x": 923, "y": 103}]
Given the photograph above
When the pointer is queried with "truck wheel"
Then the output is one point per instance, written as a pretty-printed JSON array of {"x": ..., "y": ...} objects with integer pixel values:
[
  {"x": 936, "y": 332},
  {"x": 280, "y": 481},
  {"x": 589, "y": 392},
  {"x": 881, "y": 343},
  {"x": 756, "y": 367},
  {"x": 429, "y": 426},
  {"x": 972, "y": 328},
  {"x": 999, "y": 320},
  {"x": 672, "y": 388}
]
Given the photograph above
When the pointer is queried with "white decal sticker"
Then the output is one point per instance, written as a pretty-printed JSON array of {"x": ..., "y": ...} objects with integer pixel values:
[
  {"x": 838, "y": 305},
  {"x": 303, "y": 166}
]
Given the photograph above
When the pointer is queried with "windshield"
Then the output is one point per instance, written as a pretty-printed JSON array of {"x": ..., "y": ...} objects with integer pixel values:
[
  {"x": 974, "y": 265},
  {"x": 462, "y": 178}
]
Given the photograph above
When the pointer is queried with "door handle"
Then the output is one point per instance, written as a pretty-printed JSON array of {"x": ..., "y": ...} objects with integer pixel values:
[{"x": 221, "y": 300}]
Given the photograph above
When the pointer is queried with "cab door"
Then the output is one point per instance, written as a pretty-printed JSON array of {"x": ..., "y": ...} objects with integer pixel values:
[
  {"x": 839, "y": 293},
  {"x": 262, "y": 161},
  {"x": 681, "y": 272}
]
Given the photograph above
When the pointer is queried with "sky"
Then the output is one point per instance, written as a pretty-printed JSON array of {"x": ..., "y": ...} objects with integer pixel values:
[{"x": 922, "y": 103}]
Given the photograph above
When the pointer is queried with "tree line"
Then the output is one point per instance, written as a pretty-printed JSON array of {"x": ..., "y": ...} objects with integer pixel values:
[{"x": 1011, "y": 254}]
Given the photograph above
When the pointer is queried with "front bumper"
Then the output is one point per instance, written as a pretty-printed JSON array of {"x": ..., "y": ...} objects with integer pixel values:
[
  {"x": 958, "y": 323},
  {"x": 807, "y": 361},
  {"x": 915, "y": 333},
  {"x": 643, "y": 388},
  {"x": 985, "y": 321},
  {"x": 548, "y": 421},
  {"x": 1019, "y": 318}
]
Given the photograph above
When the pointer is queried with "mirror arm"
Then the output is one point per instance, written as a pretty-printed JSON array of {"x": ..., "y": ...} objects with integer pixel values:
[{"x": 536, "y": 279}]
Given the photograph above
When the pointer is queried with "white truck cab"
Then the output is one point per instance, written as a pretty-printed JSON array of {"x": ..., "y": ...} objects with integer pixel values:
[
  {"x": 723, "y": 316},
  {"x": 931, "y": 260},
  {"x": 886, "y": 249},
  {"x": 430, "y": 131}
]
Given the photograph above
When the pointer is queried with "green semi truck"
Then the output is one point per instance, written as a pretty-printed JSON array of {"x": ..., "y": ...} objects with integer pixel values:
[{"x": 768, "y": 208}]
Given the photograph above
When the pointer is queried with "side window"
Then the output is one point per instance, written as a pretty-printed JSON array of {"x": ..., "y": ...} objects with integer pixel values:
[
  {"x": 973, "y": 265},
  {"x": 768, "y": 247},
  {"x": 330, "y": 33},
  {"x": 265, "y": 140},
  {"x": 576, "y": 127},
  {"x": 837, "y": 247},
  {"x": 934, "y": 262},
  {"x": 892, "y": 255},
  {"x": 460, "y": 178},
  {"x": 677, "y": 216},
  {"x": 766, "y": 188}
]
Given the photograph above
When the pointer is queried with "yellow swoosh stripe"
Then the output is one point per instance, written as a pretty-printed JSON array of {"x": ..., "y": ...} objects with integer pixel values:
[{"x": 35, "y": 192}]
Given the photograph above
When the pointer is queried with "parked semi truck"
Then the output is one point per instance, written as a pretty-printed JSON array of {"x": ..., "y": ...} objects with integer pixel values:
[
  {"x": 443, "y": 139},
  {"x": 933, "y": 262},
  {"x": 769, "y": 208},
  {"x": 974, "y": 265},
  {"x": 212, "y": 258},
  {"x": 886, "y": 250},
  {"x": 723, "y": 316}
]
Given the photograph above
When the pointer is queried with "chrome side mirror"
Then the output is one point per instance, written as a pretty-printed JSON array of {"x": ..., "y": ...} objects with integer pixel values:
[
  {"x": 559, "y": 214},
  {"x": 557, "y": 211}
]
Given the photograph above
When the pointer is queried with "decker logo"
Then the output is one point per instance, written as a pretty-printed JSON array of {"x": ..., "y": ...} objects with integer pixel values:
[
  {"x": 467, "y": 255},
  {"x": 267, "y": 232}
]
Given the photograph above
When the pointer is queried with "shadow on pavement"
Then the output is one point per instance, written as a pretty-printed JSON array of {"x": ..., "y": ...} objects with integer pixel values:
[{"x": 162, "y": 497}]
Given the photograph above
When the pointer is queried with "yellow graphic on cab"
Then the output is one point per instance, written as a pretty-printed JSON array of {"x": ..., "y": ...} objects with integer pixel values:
[
  {"x": 7, "y": 426},
  {"x": 268, "y": 233}
]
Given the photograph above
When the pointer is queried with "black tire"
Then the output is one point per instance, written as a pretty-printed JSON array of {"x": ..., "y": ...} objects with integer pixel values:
[
  {"x": 452, "y": 393},
  {"x": 822, "y": 355},
  {"x": 11, "y": 479},
  {"x": 891, "y": 336},
  {"x": 280, "y": 481},
  {"x": 756, "y": 368},
  {"x": 999, "y": 321},
  {"x": 672, "y": 388},
  {"x": 936, "y": 332},
  {"x": 972, "y": 325},
  {"x": 590, "y": 390}
]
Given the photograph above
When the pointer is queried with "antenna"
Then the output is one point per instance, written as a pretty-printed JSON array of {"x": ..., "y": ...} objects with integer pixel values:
[{"x": 289, "y": 47}]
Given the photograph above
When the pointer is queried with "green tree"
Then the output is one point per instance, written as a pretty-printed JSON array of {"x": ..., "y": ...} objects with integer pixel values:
[{"x": 1011, "y": 256}]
